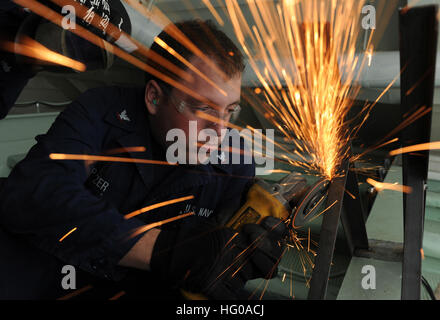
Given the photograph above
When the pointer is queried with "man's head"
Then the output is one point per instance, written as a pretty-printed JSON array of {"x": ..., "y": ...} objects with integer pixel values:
[{"x": 208, "y": 83}]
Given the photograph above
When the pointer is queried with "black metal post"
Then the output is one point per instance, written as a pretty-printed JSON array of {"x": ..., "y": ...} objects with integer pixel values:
[
  {"x": 327, "y": 237},
  {"x": 353, "y": 216},
  {"x": 418, "y": 46}
]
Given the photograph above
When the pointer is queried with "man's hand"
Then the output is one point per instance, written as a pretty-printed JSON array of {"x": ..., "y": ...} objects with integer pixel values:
[
  {"x": 267, "y": 242},
  {"x": 215, "y": 261},
  {"x": 201, "y": 257}
]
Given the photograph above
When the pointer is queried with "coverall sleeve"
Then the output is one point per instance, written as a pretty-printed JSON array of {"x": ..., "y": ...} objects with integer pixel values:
[{"x": 44, "y": 199}]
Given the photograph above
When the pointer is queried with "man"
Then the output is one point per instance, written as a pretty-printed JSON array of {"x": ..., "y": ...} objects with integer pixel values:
[{"x": 75, "y": 212}]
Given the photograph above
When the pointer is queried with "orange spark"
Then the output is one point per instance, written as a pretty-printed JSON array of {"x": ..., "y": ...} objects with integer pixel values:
[
  {"x": 125, "y": 149},
  {"x": 159, "y": 223},
  {"x": 370, "y": 56},
  {"x": 229, "y": 241},
  {"x": 64, "y": 156},
  {"x": 300, "y": 70},
  {"x": 418, "y": 147},
  {"x": 118, "y": 295},
  {"x": 278, "y": 171},
  {"x": 374, "y": 148},
  {"x": 157, "y": 205},
  {"x": 294, "y": 242},
  {"x": 411, "y": 90},
  {"x": 33, "y": 49},
  {"x": 67, "y": 234},
  {"x": 350, "y": 194},
  {"x": 214, "y": 12},
  {"x": 422, "y": 111},
  {"x": 379, "y": 186},
  {"x": 271, "y": 273},
  {"x": 325, "y": 210},
  {"x": 76, "y": 292},
  {"x": 165, "y": 46}
]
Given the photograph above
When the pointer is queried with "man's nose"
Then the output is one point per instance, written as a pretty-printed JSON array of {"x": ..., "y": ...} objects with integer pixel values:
[{"x": 218, "y": 126}]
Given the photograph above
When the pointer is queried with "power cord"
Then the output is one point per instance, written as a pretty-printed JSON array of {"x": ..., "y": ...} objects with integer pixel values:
[{"x": 428, "y": 288}]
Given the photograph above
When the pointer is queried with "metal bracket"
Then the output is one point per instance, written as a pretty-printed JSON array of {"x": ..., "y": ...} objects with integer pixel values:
[
  {"x": 352, "y": 219},
  {"x": 353, "y": 214},
  {"x": 327, "y": 238}
]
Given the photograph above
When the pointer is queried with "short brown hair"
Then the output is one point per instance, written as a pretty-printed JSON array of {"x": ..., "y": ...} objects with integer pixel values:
[{"x": 214, "y": 44}]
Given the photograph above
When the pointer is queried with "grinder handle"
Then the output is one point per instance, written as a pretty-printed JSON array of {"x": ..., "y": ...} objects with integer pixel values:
[{"x": 259, "y": 205}]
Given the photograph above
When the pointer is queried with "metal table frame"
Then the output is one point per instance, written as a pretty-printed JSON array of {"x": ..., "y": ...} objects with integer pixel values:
[{"x": 418, "y": 46}]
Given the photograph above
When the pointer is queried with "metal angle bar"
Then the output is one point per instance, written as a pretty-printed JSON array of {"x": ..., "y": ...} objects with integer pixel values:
[
  {"x": 327, "y": 238},
  {"x": 418, "y": 46},
  {"x": 352, "y": 215}
]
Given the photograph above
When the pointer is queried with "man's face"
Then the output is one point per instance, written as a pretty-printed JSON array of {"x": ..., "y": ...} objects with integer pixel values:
[{"x": 220, "y": 98}]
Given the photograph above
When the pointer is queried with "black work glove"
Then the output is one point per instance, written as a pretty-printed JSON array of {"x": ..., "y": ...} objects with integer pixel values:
[
  {"x": 204, "y": 258},
  {"x": 267, "y": 244}
]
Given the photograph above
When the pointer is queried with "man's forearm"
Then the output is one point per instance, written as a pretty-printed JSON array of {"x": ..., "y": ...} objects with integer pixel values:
[{"x": 139, "y": 256}]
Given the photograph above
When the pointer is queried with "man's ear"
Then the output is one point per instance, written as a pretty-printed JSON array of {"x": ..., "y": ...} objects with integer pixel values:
[{"x": 153, "y": 93}]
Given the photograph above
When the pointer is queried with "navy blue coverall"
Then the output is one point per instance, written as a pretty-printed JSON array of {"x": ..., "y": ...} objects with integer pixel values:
[{"x": 44, "y": 199}]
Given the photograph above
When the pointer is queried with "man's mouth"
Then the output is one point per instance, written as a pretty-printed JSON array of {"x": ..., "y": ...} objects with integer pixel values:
[
  {"x": 208, "y": 147},
  {"x": 211, "y": 147}
]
